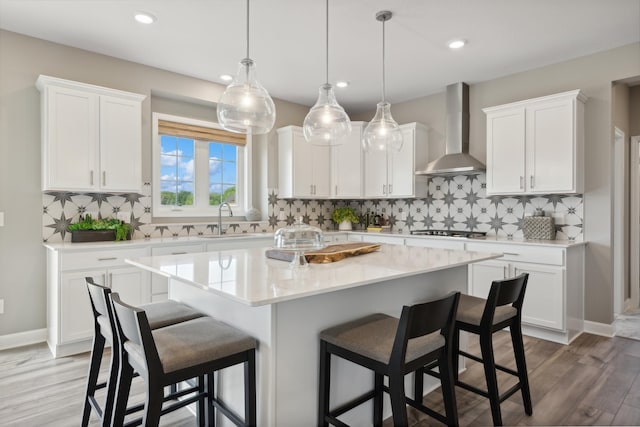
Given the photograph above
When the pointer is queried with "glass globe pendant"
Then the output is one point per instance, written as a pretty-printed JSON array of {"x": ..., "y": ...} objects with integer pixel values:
[
  {"x": 326, "y": 123},
  {"x": 382, "y": 133},
  {"x": 245, "y": 106}
]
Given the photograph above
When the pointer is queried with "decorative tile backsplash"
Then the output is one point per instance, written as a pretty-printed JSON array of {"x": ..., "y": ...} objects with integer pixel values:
[{"x": 452, "y": 202}]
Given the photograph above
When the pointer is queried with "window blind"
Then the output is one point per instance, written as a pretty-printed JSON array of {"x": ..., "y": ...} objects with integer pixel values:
[{"x": 166, "y": 127}]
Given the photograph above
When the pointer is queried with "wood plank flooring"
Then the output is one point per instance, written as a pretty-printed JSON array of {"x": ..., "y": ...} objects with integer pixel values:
[{"x": 593, "y": 381}]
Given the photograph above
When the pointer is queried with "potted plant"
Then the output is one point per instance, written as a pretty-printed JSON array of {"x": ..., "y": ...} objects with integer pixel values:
[
  {"x": 88, "y": 229},
  {"x": 344, "y": 217}
]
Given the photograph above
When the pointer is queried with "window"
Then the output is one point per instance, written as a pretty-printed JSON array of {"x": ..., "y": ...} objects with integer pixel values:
[{"x": 196, "y": 166}]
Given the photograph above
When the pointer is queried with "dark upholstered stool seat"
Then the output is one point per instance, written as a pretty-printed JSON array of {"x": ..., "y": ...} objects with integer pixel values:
[
  {"x": 193, "y": 343},
  {"x": 471, "y": 309},
  {"x": 165, "y": 313},
  {"x": 373, "y": 337},
  {"x": 393, "y": 347}
]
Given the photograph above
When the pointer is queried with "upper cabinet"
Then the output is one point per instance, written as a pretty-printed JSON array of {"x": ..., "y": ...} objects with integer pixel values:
[
  {"x": 392, "y": 175},
  {"x": 304, "y": 169},
  {"x": 536, "y": 146},
  {"x": 347, "y": 164},
  {"x": 91, "y": 137}
]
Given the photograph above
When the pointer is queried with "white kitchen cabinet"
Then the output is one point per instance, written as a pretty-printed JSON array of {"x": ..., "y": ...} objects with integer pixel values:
[
  {"x": 69, "y": 316},
  {"x": 347, "y": 164},
  {"x": 392, "y": 175},
  {"x": 304, "y": 169},
  {"x": 554, "y": 299},
  {"x": 536, "y": 146},
  {"x": 91, "y": 137}
]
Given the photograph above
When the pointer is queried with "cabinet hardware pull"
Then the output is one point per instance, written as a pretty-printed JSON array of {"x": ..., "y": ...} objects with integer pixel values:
[
  {"x": 384, "y": 188},
  {"x": 110, "y": 280},
  {"x": 104, "y": 177},
  {"x": 522, "y": 182},
  {"x": 510, "y": 253},
  {"x": 390, "y": 188},
  {"x": 111, "y": 258},
  {"x": 91, "y": 178},
  {"x": 336, "y": 189},
  {"x": 178, "y": 253},
  {"x": 532, "y": 181}
]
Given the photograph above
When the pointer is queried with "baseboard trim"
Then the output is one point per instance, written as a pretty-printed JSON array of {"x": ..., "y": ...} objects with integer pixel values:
[
  {"x": 23, "y": 338},
  {"x": 596, "y": 328}
]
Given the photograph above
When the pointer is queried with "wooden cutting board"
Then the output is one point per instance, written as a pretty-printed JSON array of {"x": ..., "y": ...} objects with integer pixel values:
[{"x": 331, "y": 253}]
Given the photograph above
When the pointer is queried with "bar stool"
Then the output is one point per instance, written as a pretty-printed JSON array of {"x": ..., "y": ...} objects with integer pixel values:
[
  {"x": 501, "y": 309},
  {"x": 192, "y": 349},
  {"x": 393, "y": 347},
  {"x": 160, "y": 314}
]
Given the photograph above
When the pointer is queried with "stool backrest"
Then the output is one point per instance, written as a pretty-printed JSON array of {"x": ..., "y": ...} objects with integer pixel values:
[
  {"x": 98, "y": 295},
  {"x": 503, "y": 292},
  {"x": 423, "y": 319},
  {"x": 132, "y": 325}
]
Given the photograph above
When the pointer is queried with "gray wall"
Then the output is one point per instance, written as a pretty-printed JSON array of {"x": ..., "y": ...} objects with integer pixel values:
[
  {"x": 592, "y": 74},
  {"x": 634, "y": 111},
  {"x": 22, "y": 59}
]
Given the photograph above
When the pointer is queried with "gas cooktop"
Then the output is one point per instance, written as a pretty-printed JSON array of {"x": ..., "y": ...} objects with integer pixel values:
[{"x": 450, "y": 233}]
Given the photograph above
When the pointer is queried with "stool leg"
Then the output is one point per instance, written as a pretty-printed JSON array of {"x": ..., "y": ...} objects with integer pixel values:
[
  {"x": 211, "y": 394},
  {"x": 518, "y": 349},
  {"x": 398, "y": 402},
  {"x": 122, "y": 393},
  {"x": 486, "y": 347},
  {"x": 418, "y": 385},
  {"x": 153, "y": 402},
  {"x": 92, "y": 378},
  {"x": 448, "y": 387},
  {"x": 201, "y": 404},
  {"x": 250, "y": 416},
  {"x": 378, "y": 381},
  {"x": 455, "y": 350},
  {"x": 324, "y": 384}
]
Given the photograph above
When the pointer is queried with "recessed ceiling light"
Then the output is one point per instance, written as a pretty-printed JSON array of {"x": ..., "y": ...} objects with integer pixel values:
[
  {"x": 342, "y": 84},
  {"x": 145, "y": 18},
  {"x": 457, "y": 44},
  {"x": 226, "y": 77}
]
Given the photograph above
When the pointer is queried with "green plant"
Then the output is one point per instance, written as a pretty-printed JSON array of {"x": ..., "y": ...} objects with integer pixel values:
[
  {"x": 88, "y": 223},
  {"x": 344, "y": 214}
]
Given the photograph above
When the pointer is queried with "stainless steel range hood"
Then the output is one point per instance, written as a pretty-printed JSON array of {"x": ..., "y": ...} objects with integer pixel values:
[{"x": 457, "y": 160}]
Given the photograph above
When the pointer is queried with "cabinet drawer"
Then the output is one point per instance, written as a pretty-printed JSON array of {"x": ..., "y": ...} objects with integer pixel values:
[
  {"x": 532, "y": 254},
  {"x": 177, "y": 249},
  {"x": 99, "y": 259}
]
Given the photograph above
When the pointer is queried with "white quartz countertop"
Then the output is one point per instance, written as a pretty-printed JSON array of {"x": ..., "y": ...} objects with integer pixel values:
[{"x": 248, "y": 277}]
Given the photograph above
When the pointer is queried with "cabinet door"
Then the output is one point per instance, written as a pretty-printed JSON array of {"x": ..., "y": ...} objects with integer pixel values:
[
  {"x": 70, "y": 140},
  {"x": 401, "y": 170},
  {"x": 320, "y": 162},
  {"x": 482, "y": 274},
  {"x": 506, "y": 151},
  {"x": 551, "y": 147},
  {"x": 76, "y": 316},
  {"x": 120, "y": 144},
  {"x": 544, "y": 297},
  {"x": 347, "y": 165},
  {"x": 375, "y": 174},
  {"x": 131, "y": 283}
]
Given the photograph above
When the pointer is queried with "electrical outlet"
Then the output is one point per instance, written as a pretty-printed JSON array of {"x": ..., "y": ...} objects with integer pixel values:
[
  {"x": 282, "y": 216},
  {"x": 403, "y": 216},
  {"x": 1, "y": 305}
]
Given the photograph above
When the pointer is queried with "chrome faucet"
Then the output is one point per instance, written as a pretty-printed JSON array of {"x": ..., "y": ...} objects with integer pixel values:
[{"x": 220, "y": 216}]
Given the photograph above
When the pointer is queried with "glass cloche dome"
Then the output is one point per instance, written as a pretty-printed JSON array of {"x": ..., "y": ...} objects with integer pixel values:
[{"x": 299, "y": 237}]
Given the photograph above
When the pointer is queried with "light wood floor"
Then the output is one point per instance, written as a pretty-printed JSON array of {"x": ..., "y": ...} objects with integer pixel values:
[{"x": 593, "y": 381}]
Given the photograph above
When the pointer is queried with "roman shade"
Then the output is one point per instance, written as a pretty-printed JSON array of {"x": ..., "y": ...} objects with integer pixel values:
[{"x": 166, "y": 127}]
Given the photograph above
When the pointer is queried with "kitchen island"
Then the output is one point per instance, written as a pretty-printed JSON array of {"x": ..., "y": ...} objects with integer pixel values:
[{"x": 286, "y": 308}]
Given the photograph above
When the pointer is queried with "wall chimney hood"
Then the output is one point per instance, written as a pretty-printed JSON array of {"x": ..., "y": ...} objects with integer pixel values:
[{"x": 457, "y": 160}]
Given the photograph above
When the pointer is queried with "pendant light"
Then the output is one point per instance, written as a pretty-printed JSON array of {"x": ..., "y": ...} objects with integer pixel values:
[
  {"x": 327, "y": 122},
  {"x": 382, "y": 133},
  {"x": 245, "y": 106}
]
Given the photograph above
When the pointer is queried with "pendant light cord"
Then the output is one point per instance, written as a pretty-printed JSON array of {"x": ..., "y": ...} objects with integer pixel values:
[
  {"x": 383, "y": 62},
  {"x": 327, "y": 43},
  {"x": 247, "y": 28}
]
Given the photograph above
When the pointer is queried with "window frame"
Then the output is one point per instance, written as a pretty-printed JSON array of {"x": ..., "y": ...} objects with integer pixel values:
[{"x": 201, "y": 174}]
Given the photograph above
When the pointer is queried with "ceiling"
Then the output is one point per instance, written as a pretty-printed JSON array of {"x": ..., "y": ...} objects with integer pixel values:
[{"x": 207, "y": 38}]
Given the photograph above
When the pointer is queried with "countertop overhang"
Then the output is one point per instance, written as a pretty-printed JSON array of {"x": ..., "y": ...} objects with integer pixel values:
[{"x": 248, "y": 277}]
